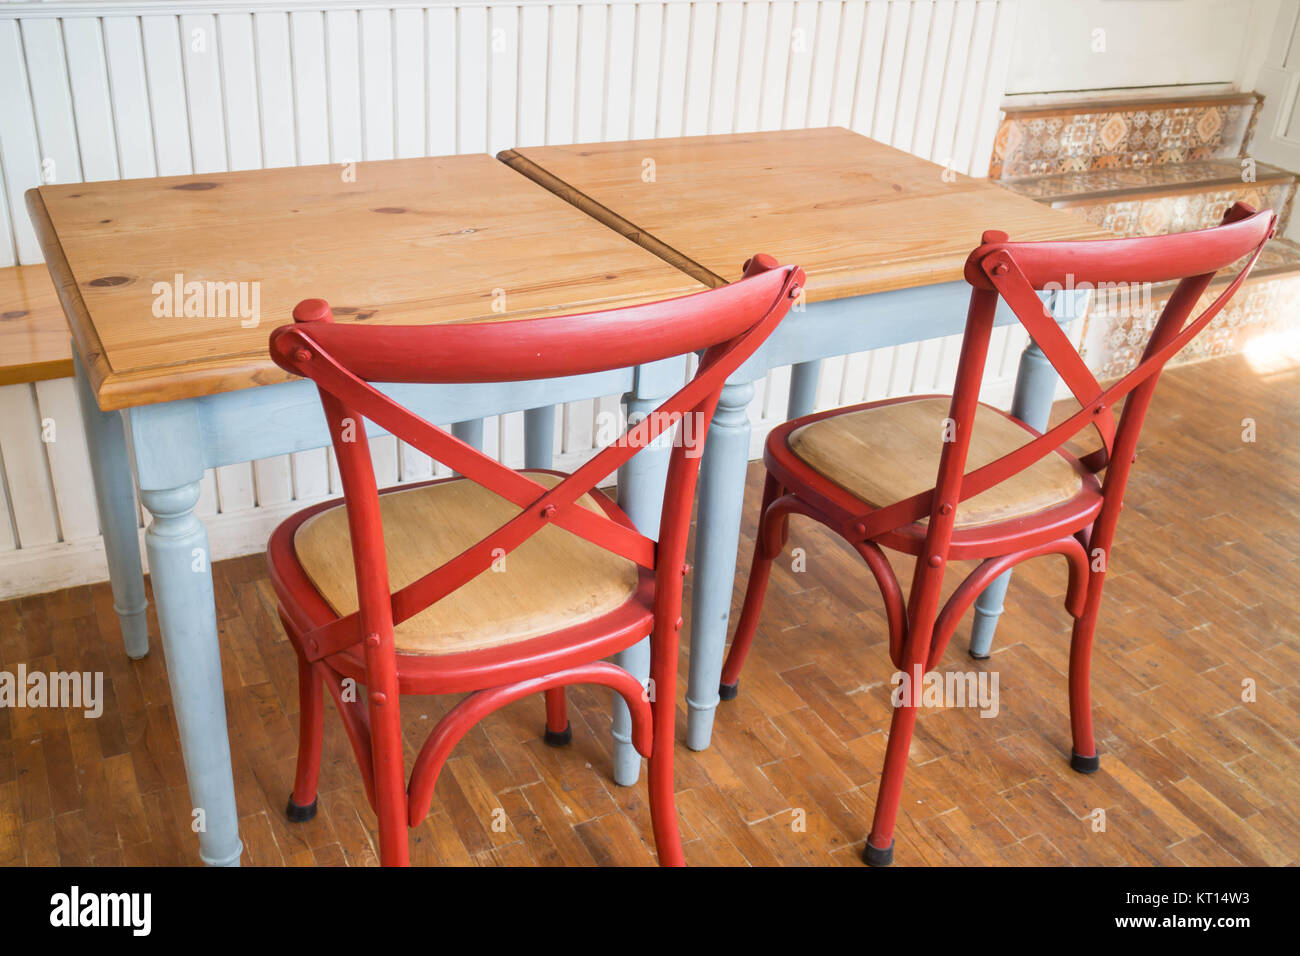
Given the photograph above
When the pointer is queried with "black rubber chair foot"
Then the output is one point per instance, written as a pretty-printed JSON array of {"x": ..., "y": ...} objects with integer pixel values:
[
  {"x": 728, "y": 691},
  {"x": 560, "y": 738},
  {"x": 1084, "y": 764},
  {"x": 297, "y": 814},
  {"x": 979, "y": 657},
  {"x": 873, "y": 856}
]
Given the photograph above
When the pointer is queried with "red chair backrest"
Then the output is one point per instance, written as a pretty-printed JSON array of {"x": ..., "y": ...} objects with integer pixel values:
[
  {"x": 1016, "y": 272},
  {"x": 726, "y": 324}
]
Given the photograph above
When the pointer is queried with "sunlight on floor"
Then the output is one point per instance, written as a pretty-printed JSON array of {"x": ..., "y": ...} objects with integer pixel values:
[{"x": 1273, "y": 352}]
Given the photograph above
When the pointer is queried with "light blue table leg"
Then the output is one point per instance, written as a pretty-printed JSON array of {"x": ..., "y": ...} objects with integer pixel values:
[
  {"x": 722, "y": 494},
  {"x": 539, "y": 437},
  {"x": 539, "y": 452},
  {"x": 169, "y": 461},
  {"x": 1032, "y": 403},
  {"x": 470, "y": 432},
  {"x": 641, "y": 495},
  {"x": 803, "y": 389},
  {"x": 118, "y": 517}
]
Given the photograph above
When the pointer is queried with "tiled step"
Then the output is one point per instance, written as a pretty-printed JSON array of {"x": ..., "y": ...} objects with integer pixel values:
[
  {"x": 1163, "y": 199},
  {"x": 1121, "y": 134},
  {"x": 1145, "y": 168},
  {"x": 1117, "y": 326},
  {"x": 1066, "y": 188}
]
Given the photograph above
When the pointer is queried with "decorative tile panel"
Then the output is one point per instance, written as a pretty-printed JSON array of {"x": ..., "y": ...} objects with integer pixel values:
[
  {"x": 1181, "y": 212},
  {"x": 1134, "y": 135},
  {"x": 1118, "y": 327}
]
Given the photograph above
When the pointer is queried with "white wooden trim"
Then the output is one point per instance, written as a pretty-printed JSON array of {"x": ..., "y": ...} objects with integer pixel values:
[
  {"x": 30, "y": 9},
  {"x": 1031, "y": 100}
]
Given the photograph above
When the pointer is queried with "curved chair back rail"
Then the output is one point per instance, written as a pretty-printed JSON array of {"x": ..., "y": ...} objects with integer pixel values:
[
  {"x": 726, "y": 324},
  {"x": 1016, "y": 272}
]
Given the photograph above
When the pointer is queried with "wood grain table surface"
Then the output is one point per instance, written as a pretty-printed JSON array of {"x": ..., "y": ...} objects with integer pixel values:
[
  {"x": 448, "y": 239},
  {"x": 859, "y": 216}
]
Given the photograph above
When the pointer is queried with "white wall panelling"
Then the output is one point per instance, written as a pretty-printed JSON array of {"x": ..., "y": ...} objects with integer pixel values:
[
  {"x": 104, "y": 90},
  {"x": 1277, "y": 76},
  {"x": 1073, "y": 45}
]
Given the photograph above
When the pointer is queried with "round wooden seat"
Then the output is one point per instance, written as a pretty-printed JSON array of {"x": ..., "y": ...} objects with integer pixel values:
[
  {"x": 886, "y": 452},
  {"x": 553, "y": 580}
]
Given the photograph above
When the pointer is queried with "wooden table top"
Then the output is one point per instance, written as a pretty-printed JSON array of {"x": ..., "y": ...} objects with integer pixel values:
[
  {"x": 407, "y": 241},
  {"x": 858, "y": 215}
]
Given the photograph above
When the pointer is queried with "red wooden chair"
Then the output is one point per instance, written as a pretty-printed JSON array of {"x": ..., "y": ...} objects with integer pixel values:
[
  {"x": 389, "y": 590},
  {"x": 863, "y": 471}
]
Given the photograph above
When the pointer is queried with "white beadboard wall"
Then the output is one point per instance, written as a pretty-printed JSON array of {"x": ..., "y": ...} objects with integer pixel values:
[{"x": 107, "y": 90}]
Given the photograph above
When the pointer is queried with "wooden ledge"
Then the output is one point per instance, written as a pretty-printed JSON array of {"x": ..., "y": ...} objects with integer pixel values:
[
  {"x": 1174, "y": 179},
  {"x": 34, "y": 338},
  {"x": 1121, "y": 105}
]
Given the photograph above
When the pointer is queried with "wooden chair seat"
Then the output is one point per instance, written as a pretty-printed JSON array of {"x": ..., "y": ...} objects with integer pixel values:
[
  {"x": 887, "y": 452},
  {"x": 553, "y": 580}
]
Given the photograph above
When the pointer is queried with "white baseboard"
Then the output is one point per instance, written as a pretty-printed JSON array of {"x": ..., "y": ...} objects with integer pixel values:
[{"x": 67, "y": 564}]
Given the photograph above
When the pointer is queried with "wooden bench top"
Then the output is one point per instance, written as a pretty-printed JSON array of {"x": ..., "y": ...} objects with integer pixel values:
[
  {"x": 430, "y": 240},
  {"x": 34, "y": 340},
  {"x": 858, "y": 215}
]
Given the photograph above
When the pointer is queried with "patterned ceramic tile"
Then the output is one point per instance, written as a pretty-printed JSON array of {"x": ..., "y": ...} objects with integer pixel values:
[
  {"x": 1158, "y": 215},
  {"x": 1105, "y": 165},
  {"x": 1280, "y": 255},
  {"x": 1119, "y": 136},
  {"x": 1118, "y": 326}
]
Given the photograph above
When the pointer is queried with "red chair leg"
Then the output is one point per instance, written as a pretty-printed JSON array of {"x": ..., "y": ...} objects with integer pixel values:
[
  {"x": 663, "y": 804},
  {"x": 559, "y": 733},
  {"x": 926, "y": 586},
  {"x": 663, "y": 799},
  {"x": 388, "y": 767},
  {"x": 879, "y": 850},
  {"x": 394, "y": 838},
  {"x": 1083, "y": 757},
  {"x": 765, "y": 552},
  {"x": 311, "y": 712}
]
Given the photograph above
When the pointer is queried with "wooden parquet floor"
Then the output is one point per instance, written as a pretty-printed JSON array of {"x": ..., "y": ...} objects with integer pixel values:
[{"x": 1203, "y": 595}]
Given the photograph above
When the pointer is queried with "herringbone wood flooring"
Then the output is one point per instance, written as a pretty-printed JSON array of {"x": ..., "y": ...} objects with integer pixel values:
[{"x": 1203, "y": 594}]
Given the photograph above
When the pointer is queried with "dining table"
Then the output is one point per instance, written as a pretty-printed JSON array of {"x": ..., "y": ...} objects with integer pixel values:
[{"x": 172, "y": 285}]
